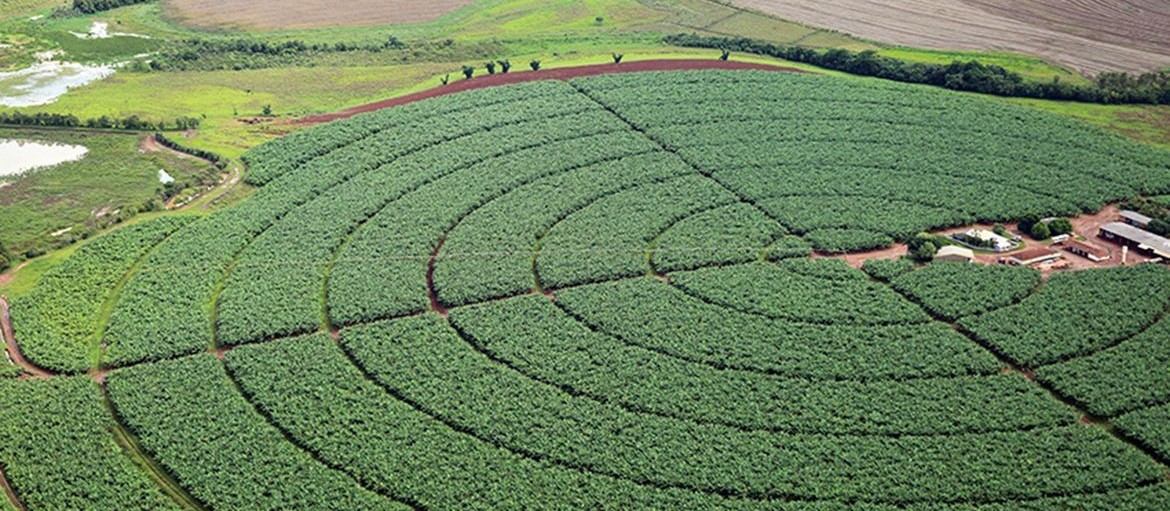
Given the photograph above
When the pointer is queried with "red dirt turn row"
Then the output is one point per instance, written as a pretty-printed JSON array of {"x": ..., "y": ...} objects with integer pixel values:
[{"x": 563, "y": 73}]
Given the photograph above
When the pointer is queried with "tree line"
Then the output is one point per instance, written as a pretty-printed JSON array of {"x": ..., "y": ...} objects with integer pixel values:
[
  {"x": 132, "y": 123},
  {"x": 219, "y": 161},
  {"x": 92, "y": 6},
  {"x": 970, "y": 76}
]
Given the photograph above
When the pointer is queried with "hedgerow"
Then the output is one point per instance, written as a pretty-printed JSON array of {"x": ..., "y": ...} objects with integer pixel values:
[
  {"x": 575, "y": 251},
  {"x": 57, "y": 451},
  {"x": 886, "y": 270},
  {"x": 381, "y": 271}
]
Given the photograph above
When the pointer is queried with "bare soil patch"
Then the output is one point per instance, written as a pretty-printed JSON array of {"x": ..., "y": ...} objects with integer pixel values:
[
  {"x": 1088, "y": 35},
  {"x": 564, "y": 73},
  {"x": 286, "y": 14}
]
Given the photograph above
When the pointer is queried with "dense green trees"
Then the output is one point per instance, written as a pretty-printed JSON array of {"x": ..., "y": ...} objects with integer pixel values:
[{"x": 972, "y": 76}]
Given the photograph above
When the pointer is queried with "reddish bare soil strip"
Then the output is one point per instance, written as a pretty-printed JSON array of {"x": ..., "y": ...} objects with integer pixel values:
[
  {"x": 564, "y": 73},
  {"x": 1088, "y": 35},
  {"x": 10, "y": 493},
  {"x": 10, "y": 344},
  {"x": 432, "y": 294},
  {"x": 285, "y": 14}
]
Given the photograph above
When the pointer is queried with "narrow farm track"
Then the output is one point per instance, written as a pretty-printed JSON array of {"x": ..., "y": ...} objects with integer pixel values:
[
  {"x": 563, "y": 73},
  {"x": 1099, "y": 422},
  {"x": 9, "y": 493},
  {"x": 1117, "y": 342},
  {"x": 129, "y": 444},
  {"x": 13, "y": 348},
  {"x": 292, "y": 439}
]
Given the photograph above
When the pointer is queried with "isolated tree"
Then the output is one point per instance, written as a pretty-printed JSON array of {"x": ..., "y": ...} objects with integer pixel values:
[
  {"x": 1040, "y": 231},
  {"x": 924, "y": 252},
  {"x": 445, "y": 79},
  {"x": 468, "y": 72},
  {"x": 617, "y": 58},
  {"x": 5, "y": 261},
  {"x": 505, "y": 65},
  {"x": 725, "y": 55},
  {"x": 1027, "y": 222},
  {"x": 1000, "y": 230},
  {"x": 922, "y": 247},
  {"x": 267, "y": 110},
  {"x": 535, "y": 65},
  {"x": 599, "y": 20},
  {"x": 1060, "y": 226},
  {"x": 490, "y": 66}
]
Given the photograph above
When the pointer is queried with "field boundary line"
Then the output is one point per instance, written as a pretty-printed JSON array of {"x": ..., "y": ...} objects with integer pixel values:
[
  {"x": 214, "y": 300},
  {"x": 96, "y": 343},
  {"x": 10, "y": 492},
  {"x": 13, "y": 349},
  {"x": 1102, "y": 423},
  {"x": 635, "y": 128},
  {"x": 161, "y": 476},
  {"x": 345, "y": 241},
  {"x": 314, "y": 455}
]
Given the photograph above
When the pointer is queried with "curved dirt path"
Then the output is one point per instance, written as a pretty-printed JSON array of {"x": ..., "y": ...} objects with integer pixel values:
[
  {"x": 10, "y": 493},
  {"x": 13, "y": 349},
  {"x": 564, "y": 73}
]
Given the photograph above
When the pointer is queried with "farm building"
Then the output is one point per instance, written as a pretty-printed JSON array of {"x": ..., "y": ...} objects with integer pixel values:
[
  {"x": 1090, "y": 252},
  {"x": 1135, "y": 219},
  {"x": 1143, "y": 241},
  {"x": 951, "y": 253},
  {"x": 1033, "y": 256},
  {"x": 991, "y": 239}
]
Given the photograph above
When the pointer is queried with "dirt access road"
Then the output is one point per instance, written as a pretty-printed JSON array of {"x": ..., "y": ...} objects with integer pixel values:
[
  {"x": 292, "y": 14},
  {"x": 458, "y": 84},
  {"x": 1087, "y": 35}
]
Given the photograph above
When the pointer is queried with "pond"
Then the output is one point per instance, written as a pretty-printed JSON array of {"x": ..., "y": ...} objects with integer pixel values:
[
  {"x": 46, "y": 81},
  {"x": 18, "y": 156}
]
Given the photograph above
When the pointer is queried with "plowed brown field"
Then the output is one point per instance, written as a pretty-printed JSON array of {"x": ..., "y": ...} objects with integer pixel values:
[
  {"x": 1088, "y": 35},
  {"x": 274, "y": 14}
]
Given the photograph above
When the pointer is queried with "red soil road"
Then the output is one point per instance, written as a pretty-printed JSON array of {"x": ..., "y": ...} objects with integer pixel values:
[
  {"x": 10, "y": 344},
  {"x": 564, "y": 73}
]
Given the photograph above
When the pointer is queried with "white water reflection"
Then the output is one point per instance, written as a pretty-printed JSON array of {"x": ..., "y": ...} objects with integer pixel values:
[{"x": 19, "y": 156}]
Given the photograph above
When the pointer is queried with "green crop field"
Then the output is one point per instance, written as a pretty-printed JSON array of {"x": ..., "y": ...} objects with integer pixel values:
[{"x": 597, "y": 294}]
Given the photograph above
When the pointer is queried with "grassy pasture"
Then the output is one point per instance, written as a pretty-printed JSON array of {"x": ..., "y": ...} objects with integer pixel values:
[{"x": 83, "y": 195}]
